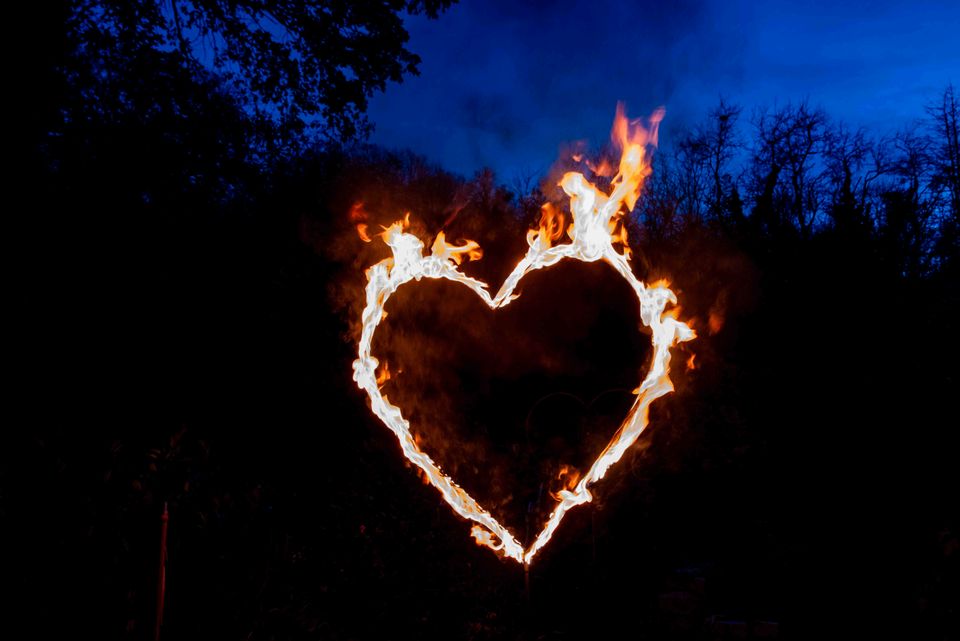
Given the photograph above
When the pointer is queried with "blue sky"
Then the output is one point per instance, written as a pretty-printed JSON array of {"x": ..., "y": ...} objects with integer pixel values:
[{"x": 506, "y": 83}]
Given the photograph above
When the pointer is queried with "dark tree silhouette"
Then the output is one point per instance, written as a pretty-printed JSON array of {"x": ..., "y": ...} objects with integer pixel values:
[
  {"x": 786, "y": 181},
  {"x": 854, "y": 163},
  {"x": 707, "y": 153},
  {"x": 300, "y": 67},
  {"x": 944, "y": 115},
  {"x": 944, "y": 120}
]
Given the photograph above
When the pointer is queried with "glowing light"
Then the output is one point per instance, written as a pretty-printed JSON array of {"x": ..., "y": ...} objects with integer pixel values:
[{"x": 595, "y": 228}]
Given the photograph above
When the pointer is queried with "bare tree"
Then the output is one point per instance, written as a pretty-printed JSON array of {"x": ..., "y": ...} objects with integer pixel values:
[
  {"x": 787, "y": 179},
  {"x": 658, "y": 210},
  {"x": 703, "y": 159},
  {"x": 691, "y": 176},
  {"x": 909, "y": 220},
  {"x": 722, "y": 141},
  {"x": 944, "y": 115},
  {"x": 853, "y": 163},
  {"x": 526, "y": 191}
]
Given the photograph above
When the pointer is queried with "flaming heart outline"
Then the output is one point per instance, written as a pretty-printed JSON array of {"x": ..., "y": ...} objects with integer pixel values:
[
  {"x": 409, "y": 264},
  {"x": 593, "y": 232}
]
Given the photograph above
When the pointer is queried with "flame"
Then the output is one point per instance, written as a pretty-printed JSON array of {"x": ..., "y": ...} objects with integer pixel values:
[
  {"x": 715, "y": 321},
  {"x": 357, "y": 213},
  {"x": 485, "y": 538},
  {"x": 384, "y": 374},
  {"x": 603, "y": 168},
  {"x": 595, "y": 228},
  {"x": 569, "y": 475},
  {"x": 551, "y": 226},
  {"x": 568, "y": 471},
  {"x": 443, "y": 251},
  {"x": 359, "y": 216}
]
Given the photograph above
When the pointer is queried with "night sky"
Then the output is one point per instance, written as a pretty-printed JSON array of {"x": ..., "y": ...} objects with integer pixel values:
[{"x": 504, "y": 83}]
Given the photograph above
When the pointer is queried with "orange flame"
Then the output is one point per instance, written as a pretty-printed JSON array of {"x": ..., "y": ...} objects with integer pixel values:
[
  {"x": 551, "y": 226},
  {"x": 359, "y": 216},
  {"x": 602, "y": 168},
  {"x": 569, "y": 475},
  {"x": 484, "y": 538},
  {"x": 384, "y": 374},
  {"x": 715, "y": 321},
  {"x": 357, "y": 212},
  {"x": 596, "y": 226},
  {"x": 443, "y": 251}
]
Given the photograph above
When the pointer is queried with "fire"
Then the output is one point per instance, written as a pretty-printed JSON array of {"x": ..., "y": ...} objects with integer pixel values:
[
  {"x": 384, "y": 375},
  {"x": 595, "y": 228},
  {"x": 568, "y": 475},
  {"x": 443, "y": 251},
  {"x": 551, "y": 226},
  {"x": 359, "y": 216}
]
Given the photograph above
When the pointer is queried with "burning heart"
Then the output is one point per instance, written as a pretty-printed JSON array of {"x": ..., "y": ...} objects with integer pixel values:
[{"x": 596, "y": 227}]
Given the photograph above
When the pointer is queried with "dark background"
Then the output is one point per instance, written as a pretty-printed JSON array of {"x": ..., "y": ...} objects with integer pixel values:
[{"x": 186, "y": 290}]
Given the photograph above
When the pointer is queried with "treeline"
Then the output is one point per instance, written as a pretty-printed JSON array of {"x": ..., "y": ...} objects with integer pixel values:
[
  {"x": 782, "y": 177},
  {"x": 792, "y": 172}
]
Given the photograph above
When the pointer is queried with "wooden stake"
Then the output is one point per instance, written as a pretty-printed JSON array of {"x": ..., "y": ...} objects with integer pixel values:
[
  {"x": 526, "y": 582},
  {"x": 162, "y": 574}
]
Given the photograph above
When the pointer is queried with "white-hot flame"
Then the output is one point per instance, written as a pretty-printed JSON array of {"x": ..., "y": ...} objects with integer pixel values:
[{"x": 596, "y": 227}]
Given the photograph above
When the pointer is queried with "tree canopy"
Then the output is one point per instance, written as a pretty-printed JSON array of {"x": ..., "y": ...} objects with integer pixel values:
[{"x": 298, "y": 69}]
